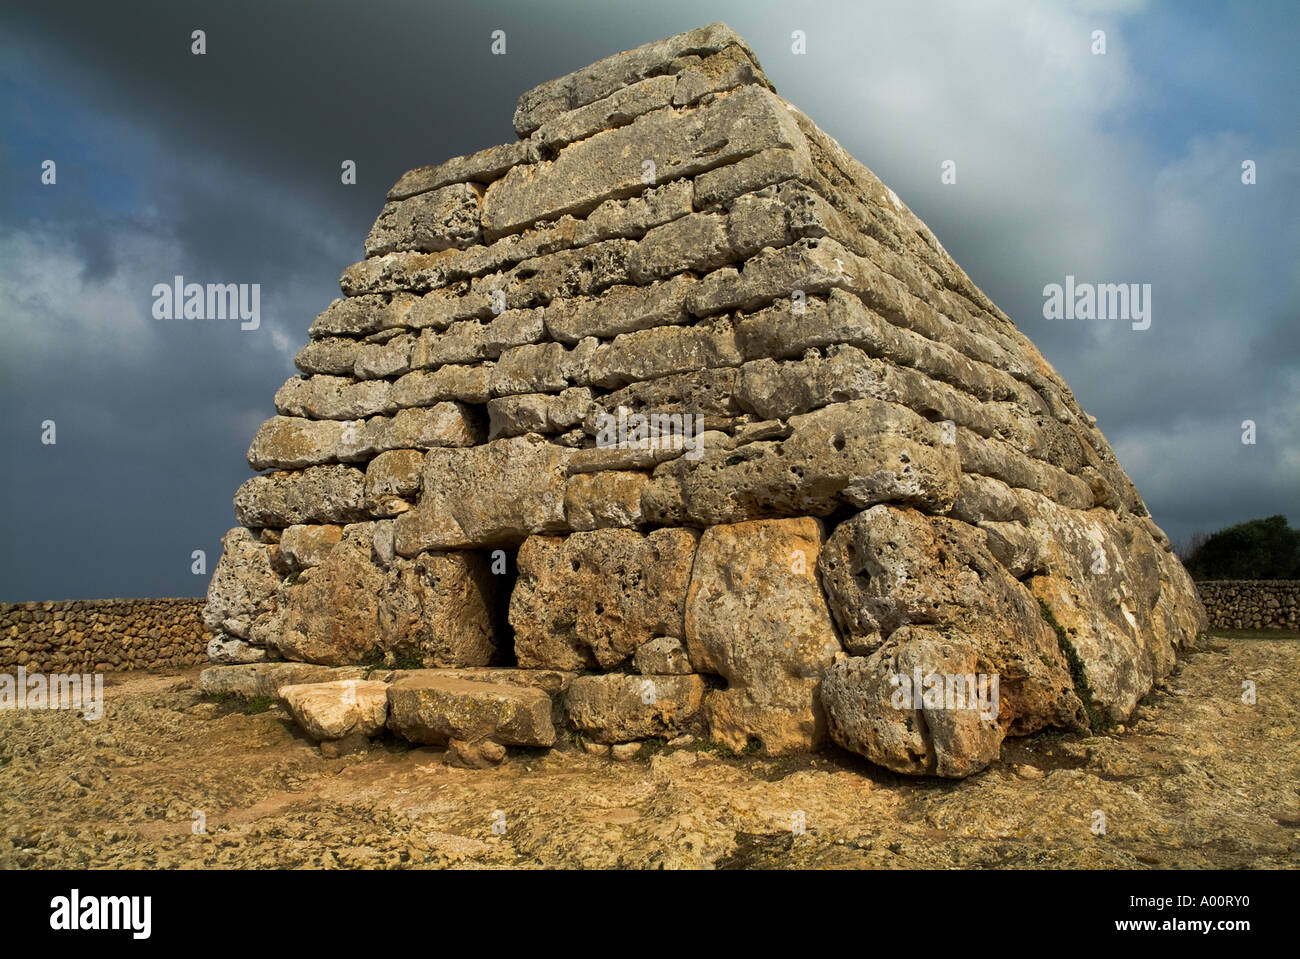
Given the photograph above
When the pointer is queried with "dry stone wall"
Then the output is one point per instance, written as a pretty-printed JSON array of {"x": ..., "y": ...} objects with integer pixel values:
[
  {"x": 102, "y": 635},
  {"x": 1251, "y": 604},
  {"x": 674, "y": 391}
]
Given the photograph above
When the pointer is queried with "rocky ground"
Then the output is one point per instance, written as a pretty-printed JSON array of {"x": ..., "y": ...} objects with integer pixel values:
[{"x": 1198, "y": 780}]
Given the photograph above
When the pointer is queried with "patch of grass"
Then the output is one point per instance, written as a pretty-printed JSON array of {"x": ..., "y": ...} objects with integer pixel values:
[
  {"x": 375, "y": 660},
  {"x": 652, "y": 746},
  {"x": 1098, "y": 720},
  {"x": 259, "y": 704},
  {"x": 5, "y": 761},
  {"x": 410, "y": 660}
]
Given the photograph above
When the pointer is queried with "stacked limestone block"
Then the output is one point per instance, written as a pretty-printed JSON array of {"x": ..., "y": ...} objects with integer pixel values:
[{"x": 886, "y": 475}]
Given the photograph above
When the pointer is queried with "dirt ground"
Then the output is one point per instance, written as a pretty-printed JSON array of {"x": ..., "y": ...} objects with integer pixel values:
[{"x": 1198, "y": 780}]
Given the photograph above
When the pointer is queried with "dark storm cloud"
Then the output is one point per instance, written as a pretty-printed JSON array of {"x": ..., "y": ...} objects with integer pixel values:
[{"x": 225, "y": 168}]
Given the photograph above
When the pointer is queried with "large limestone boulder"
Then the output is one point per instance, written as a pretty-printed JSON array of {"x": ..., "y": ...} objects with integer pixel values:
[
  {"x": 589, "y": 600},
  {"x": 1124, "y": 604},
  {"x": 925, "y": 703},
  {"x": 497, "y": 493},
  {"x": 436, "y": 608},
  {"x": 439, "y": 709},
  {"x": 243, "y": 586},
  {"x": 888, "y": 568},
  {"x": 338, "y": 709},
  {"x": 755, "y": 615},
  {"x": 619, "y": 708}
]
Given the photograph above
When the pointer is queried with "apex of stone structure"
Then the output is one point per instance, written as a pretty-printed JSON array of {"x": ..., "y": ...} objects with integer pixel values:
[{"x": 675, "y": 393}]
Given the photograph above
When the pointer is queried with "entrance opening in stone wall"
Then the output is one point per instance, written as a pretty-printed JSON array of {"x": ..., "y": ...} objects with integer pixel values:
[{"x": 503, "y": 570}]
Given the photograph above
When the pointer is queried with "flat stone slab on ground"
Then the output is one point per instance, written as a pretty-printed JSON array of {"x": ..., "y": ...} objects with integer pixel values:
[{"x": 438, "y": 709}]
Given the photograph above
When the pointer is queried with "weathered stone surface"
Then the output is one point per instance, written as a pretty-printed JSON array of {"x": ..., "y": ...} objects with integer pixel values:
[
  {"x": 776, "y": 390},
  {"x": 616, "y": 110},
  {"x": 662, "y": 656},
  {"x": 429, "y": 709},
  {"x": 428, "y": 222},
  {"x": 590, "y": 599},
  {"x": 563, "y": 94},
  {"x": 1123, "y": 608},
  {"x": 303, "y": 546},
  {"x": 243, "y": 586},
  {"x": 693, "y": 76},
  {"x": 329, "y": 614},
  {"x": 481, "y": 167},
  {"x": 465, "y": 383},
  {"x": 873, "y": 712},
  {"x": 403, "y": 273},
  {"x": 620, "y": 309},
  {"x": 719, "y": 187},
  {"x": 538, "y": 281},
  {"x": 698, "y": 241},
  {"x": 496, "y": 493},
  {"x": 538, "y": 412},
  {"x": 266, "y": 679},
  {"x": 393, "y": 481},
  {"x": 539, "y": 368},
  {"x": 438, "y": 608},
  {"x": 755, "y": 615},
  {"x": 224, "y": 651},
  {"x": 355, "y": 608},
  {"x": 290, "y": 442},
  {"x": 553, "y": 682},
  {"x": 361, "y": 316},
  {"x": 858, "y": 453},
  {"x": 332, "y": 356},
  {"x": 468, "y": 341},
  {"x": 662, "y": 351},
  {"x": 318, "y": 494},
  {"x": 334, "y": 398},
  {"x": 609, "y": 165},
  {"x": 705, "y": 241},
  {"x": 390, "y": 358},
  {"x": 337, "y": 709},
  {"x": 887, "y": 568},
  {"x": 631, "y": 217},
  {"x": 604, "y": 500},
  {"x": 707, "y": 393},
  {"x": 482, "y": 754},
  {"x": 442, "y": 424},
  {"x": 619, "y": 708}
]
